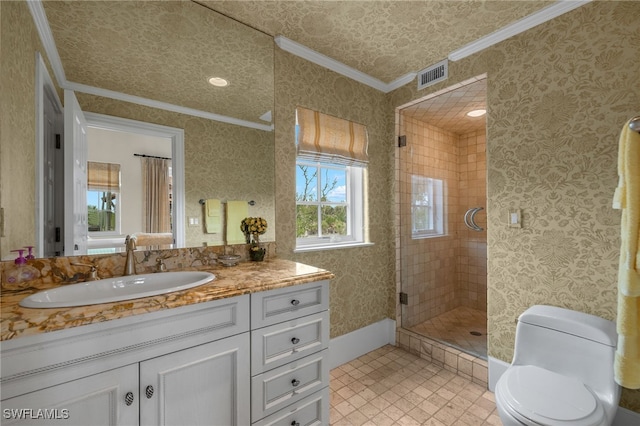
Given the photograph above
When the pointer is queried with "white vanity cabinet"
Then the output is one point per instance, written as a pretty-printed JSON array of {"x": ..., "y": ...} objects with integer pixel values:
[
  {"x": 257, "y": 359},
  {"x": 95, "y": 400},
  {"x": 289, "y": 355},
  {"x": 181, "y": 366}
]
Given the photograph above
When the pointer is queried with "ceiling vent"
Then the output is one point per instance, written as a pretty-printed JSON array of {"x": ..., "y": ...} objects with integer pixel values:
[{"x": 434, "y": 74}]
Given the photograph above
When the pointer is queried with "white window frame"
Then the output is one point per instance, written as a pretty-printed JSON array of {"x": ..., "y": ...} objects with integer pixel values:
[
  {"x": 435, "y": 205},
  {"x": 97, "y": 234},
  {"x": 355, "y": 178}
]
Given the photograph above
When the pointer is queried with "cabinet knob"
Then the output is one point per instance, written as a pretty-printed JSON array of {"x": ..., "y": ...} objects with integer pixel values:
[
  {"x": 295, "y": 382},
  {"x": 294, "y": 423},
  {"x": 149, "y": 391},
  {"x": 295, "y": 302},
  {"x": 295, "y": 340},
  {"x": 128, "y": 398}
]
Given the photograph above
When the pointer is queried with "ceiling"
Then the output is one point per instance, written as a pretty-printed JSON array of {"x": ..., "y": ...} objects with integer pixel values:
[
  {"x": 383, "y": 39},
  {"x": 388, "y": 39}
]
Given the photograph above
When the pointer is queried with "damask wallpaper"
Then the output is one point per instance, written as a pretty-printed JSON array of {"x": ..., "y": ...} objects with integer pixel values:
[
  {"x": 17, "y": 69},
  {"x": 558, "y": 96},
  {"x": 363, "y": 291}
]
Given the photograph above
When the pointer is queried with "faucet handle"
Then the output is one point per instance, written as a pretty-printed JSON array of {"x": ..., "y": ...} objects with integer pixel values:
[
  {"x": 130, "y": 242},
  {"x": 93, "y": 272},
  {"x": 160, "y": 266}
]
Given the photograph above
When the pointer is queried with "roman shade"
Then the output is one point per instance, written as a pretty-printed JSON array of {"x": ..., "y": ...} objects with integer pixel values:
[
  {"x": 328, "y": 139},
  {"x": 103, "y": 176}
]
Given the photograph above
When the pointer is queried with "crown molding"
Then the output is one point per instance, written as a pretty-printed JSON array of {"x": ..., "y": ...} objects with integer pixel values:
[
  {"x": 105, "y": 93},
  {"x": 46, "y": 36},
  {"x": 400, "y": 81},
  {"x": 520, "y": 26},
  {"x": 324, "y": 61}
]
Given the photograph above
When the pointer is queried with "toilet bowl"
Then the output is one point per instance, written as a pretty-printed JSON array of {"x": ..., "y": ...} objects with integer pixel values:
[{"x": 562, "y": 371}]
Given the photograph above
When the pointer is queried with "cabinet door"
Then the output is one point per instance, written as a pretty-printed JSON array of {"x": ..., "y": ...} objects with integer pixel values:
[
  {"x": 204, "y": 385},
  {"x": 94, "y": 400}
]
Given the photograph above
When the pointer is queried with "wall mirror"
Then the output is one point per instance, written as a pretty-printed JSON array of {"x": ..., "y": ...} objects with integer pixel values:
[{"x": 152, "y": 62}]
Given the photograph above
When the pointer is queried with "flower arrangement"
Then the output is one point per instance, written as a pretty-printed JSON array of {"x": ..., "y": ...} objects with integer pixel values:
[{"x": 253, "y": 227}]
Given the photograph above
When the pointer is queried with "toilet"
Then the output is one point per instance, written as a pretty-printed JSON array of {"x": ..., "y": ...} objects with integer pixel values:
[{"x": 562, "y": 371}]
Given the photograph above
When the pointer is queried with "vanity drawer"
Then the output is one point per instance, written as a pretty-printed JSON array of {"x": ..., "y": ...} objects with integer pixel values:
[
  {"x": 284, "y": 342},
  {"x": 283, "y": 386},
  {"x": 310, "y": 411},
  {"x": 274, "y": 306}
]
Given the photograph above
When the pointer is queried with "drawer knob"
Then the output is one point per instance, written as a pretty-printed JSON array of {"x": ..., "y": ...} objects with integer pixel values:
[
  {"x": 295, "y": 302},
  {"x": 128, "y": 398},
  {"x": 149, "y": 391},
  {"x": 294, "y": 423},
  {"x": 295, "y": 340},
  {"x": 295, "y": 382}
]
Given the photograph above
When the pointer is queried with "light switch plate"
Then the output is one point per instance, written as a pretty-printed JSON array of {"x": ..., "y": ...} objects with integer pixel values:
[{"x": 515, "y": 218}]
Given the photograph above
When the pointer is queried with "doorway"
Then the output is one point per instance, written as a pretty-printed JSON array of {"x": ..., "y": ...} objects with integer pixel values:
[{"x": 442, "y": 226}]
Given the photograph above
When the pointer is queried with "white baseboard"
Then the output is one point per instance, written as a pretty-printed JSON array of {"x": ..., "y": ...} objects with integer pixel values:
[
  {"x": 623, "y": 417},
  {"x": 350, "y": 346}
]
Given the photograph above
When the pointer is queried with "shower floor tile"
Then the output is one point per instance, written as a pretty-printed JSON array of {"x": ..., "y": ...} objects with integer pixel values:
[{"x": 455, "y": 328}]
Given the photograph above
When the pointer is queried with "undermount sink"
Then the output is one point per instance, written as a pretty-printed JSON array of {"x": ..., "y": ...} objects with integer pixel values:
[{"x": 116, "y": 289}]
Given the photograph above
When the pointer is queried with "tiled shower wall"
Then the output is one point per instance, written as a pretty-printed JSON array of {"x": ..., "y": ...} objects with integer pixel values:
[
  {"x": 442, "y": 273},
  {"x": 472, "y": 254}
]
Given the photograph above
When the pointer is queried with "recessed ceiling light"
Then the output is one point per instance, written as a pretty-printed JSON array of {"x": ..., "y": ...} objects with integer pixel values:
[
  {"x": 477, "y": 113},
  {"x": 219, "y": 82}
]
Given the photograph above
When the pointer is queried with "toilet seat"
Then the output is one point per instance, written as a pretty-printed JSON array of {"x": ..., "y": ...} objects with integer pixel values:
[{"x": 537, "y": 396}]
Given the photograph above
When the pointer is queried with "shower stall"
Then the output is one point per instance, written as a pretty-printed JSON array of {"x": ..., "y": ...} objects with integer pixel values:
[{"x": 441, "y": 179}]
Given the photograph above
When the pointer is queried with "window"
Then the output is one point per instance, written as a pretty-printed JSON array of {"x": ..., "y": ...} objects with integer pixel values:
[
  {"x": 330, "y": 176},
  {"x": 427, "y": 207},
  {"x": 328, "y": 204},
  {"x": 103, "y": 198}
]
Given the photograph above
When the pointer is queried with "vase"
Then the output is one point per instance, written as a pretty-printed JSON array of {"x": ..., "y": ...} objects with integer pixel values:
[{"x": 257, "y": 254}]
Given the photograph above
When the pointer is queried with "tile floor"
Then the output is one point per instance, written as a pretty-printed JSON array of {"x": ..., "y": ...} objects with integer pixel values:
[
  {"x": 455, "y": 326},
  {"x": 391, "y": 386}
]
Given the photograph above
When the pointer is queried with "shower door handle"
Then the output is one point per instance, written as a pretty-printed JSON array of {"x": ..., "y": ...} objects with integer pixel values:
[{"x": 470, "y": 218}]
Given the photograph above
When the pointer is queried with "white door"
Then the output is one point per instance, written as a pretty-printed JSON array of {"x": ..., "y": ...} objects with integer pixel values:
[
  {"x": 100, "y": 399},
  {"x": 75, "y": 177},
  {"x": 204, "y": 385}
]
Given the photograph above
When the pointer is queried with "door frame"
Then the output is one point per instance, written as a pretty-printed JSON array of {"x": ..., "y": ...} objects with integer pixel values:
[
  {"x": 45, "y": 89},
  {"x": 176, "y": 136}
]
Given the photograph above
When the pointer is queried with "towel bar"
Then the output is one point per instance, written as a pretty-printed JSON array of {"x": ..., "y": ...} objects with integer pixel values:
[
  {"x": 202, "y": 201},
  {"x": 470, "y": 219}
]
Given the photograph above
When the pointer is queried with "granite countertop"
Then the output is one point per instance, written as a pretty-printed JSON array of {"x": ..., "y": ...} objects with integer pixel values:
[{"x": 244, "y": 278}]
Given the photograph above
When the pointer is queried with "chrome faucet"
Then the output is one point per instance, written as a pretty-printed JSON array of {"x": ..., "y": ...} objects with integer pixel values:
[{"x": 130, "y": 263}]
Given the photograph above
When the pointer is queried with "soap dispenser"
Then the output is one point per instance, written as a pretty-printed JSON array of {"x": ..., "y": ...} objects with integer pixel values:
[{"x": 21, "y": 272}]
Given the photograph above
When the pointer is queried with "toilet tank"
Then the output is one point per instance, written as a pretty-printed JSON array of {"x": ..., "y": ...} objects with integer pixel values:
[{"x": 571, "y": 343}]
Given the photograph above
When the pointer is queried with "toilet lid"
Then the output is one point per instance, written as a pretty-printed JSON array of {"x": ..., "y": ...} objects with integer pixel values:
[{"x": 546, "y": 397}]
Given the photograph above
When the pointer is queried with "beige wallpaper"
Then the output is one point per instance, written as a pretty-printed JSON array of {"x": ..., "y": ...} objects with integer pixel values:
[
  {"x": 222, "y": 161},
  {"x": 363, "y": 291},
  {"x": 17, "y": 159},
  {"x": 558, "y": 96}
]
